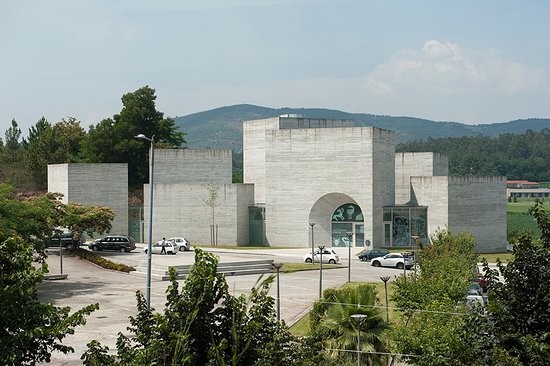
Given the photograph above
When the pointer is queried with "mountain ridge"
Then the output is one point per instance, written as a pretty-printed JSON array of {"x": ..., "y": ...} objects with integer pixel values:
[{"x": 222, "y": 127}]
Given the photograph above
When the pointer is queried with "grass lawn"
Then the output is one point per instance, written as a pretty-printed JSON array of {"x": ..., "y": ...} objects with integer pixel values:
[
  {"x": 295, "y": 267},
  {"x": 492, "y": 257}
]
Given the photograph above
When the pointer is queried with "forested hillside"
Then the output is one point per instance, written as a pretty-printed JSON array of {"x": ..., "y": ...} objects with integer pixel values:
[
  {"x": 516, "y": 156},
  {"x": 222, "y": 127}
]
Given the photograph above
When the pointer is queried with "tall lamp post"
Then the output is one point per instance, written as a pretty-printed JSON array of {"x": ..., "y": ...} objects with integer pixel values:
[
  {"x": 150, "y": 243},
  {"x": 350, "y": 236},
  {"x": 277, "y": 266},
  {"x": 415, "y": 238},
  {"x": 386, "y": 279},
  {"x": 321, "y": 248},
  {"x": 359, "y": 318},
  {"x": 312, "y": 224}
]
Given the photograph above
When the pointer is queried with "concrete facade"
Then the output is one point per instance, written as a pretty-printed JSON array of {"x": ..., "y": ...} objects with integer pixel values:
[
  {"x": 310, "y": 172},
  {"x": 408, "y": 165},
  {"x": 192, "y": 166},
  {"x": 180, "y": 210},
  {"x": 474, "y": 204},
  {"x": 94, "y": 184}
]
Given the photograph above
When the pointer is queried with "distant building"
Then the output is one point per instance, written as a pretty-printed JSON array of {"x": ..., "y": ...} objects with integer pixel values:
[{"x": 525, "y": 189}]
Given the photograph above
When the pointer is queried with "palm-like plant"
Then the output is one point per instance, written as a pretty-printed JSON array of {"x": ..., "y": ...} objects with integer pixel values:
[{"x": 339, "y": 331}]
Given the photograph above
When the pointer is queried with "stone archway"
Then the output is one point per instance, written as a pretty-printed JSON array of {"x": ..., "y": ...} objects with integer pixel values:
[{"x": 321, "y": 214}]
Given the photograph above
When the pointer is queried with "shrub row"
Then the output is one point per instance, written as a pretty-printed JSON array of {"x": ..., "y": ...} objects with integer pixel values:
[{"x": 100, "y": 261}]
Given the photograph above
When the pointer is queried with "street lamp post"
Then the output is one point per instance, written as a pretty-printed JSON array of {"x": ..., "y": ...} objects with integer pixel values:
[
  {"x": 350, "y": 236},
  {"x": 312, "y": 224},
  {"x": 386, "y": 279},
  {"x": 416, "y": 238},
  {"x": 150, "y": 243},
  {"x": 359, "y": 318},
  {"x": 277, "y": 266},
  {"x": 321, "y": 248}
]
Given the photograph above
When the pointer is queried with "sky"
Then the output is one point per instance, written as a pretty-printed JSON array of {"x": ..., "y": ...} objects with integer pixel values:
[{"x": 467, "y": 61}]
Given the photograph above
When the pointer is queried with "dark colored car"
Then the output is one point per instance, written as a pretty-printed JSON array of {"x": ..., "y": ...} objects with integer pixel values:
[
  {"x": 119, "y": 243},
  {"x": 367, "y": 255},
  {"x": 66, "y": 239}
]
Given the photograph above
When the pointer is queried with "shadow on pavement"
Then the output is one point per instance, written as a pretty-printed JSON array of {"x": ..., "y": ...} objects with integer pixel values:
[{"x": 51, "y": 291}]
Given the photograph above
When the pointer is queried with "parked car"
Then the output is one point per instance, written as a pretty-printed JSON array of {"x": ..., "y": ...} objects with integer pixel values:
[
  {"x": 114, "y": 242},
  {"x": 480, "y": 280},
  {"x": 329, "y": 256},
  {"x": 474, "y": 298},
  {"x": 181, "y": 244},
  {"x": 157, "y": 248},
  {"x": 396, "y": 260},
  {"x": 67, "y": 240},
  {"x": 367, "y": 255}
]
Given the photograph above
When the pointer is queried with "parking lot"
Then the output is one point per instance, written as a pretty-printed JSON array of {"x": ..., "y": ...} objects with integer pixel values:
[{"x": 115, "y": 291}]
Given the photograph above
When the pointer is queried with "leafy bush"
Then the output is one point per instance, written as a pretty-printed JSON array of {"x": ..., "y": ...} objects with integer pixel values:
[{"x": 100, "y": 261}]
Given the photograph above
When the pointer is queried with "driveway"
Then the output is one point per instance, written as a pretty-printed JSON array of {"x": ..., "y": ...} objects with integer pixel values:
[{"x": 115, "y": 291}]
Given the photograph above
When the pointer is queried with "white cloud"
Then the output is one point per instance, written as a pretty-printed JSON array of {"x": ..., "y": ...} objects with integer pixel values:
[{"x": 444, "y": 68}]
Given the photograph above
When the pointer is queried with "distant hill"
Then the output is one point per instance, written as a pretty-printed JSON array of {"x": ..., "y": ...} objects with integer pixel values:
[{"x": 222, "y": 127}]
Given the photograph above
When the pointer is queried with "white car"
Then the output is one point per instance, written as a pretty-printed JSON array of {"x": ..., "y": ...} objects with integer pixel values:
[
  {"x": 181, "y": 244},
  {"x": 474, "y": 298},
  {"x": 157, "y": 248},
  {"x": 329, "y": 256},
  {"x": 396, "y": 260}
]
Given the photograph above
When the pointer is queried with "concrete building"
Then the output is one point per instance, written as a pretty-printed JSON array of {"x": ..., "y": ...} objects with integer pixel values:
[
  {"x": 299, "y": 171},
  {"x": 344, "y": 179},
  {"x": 92, "y": 185}
]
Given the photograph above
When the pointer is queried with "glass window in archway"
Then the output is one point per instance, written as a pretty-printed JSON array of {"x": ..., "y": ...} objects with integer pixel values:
[
  {"x": 347, "y": 218},
  {"x": 348, "y": 212}
]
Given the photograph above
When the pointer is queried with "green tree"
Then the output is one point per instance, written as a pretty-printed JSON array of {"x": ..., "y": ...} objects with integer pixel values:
[
  {"x": 518, "y": 311},
  {"x": 69, "y": 136},
  {"x": 31, "y": 330},
  {"x": 432, "y": 316},
  {"x": 49, "y": 144},
  {"x": 38, "y": 151},
  {"x": 113, "y": 140},
  {"x": 13, "y": 143},
  {"x": 331, "y": 323}
]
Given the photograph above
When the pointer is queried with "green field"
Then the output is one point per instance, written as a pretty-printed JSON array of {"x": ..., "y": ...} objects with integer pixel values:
[{"x": 519, "y": 219}]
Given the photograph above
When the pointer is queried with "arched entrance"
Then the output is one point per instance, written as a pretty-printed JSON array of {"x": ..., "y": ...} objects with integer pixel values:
[
  {"x": 347, "y": 218},
  {"x": 333, "y": 218}
]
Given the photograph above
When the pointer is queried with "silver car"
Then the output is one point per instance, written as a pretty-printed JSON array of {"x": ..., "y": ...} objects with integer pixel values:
[
  {"x": 396, "y": 260},
  {"x": 181, "y": 244},
  {"x": 157, "y": 248}
]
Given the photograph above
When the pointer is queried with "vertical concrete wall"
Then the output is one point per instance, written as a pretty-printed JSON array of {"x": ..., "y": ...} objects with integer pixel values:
[
  {"x": 434, "y": 193},
  {"x": 179, "y": 210},
  {"x": 478, "y": 205},
  {"x": 474, "y": 204},
  {"x": 94, "y": 184},
  {"x": 304, "y": 165},
  {"x": 193, "y": 166},
  {"x": 254, "y": 144},
  {"x": 416, "y": 164},
  {"x": 58, "y": 180}
]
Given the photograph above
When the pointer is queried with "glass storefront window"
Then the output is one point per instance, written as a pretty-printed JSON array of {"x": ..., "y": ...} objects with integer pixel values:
[{"x": 401, "y": 223}]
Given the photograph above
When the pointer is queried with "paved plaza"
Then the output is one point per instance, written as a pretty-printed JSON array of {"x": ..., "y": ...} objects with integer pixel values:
[{"x": 115, "y": 291}]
